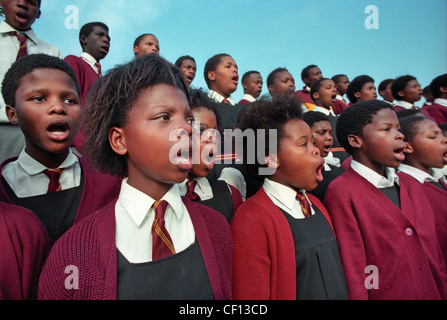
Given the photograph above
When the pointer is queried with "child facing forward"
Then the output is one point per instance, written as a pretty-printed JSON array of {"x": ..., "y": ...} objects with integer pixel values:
[
  {"x": 283, "y": 243},
  {"x": 42, "y": 97},
  {"x": 385, "y": 228},
  {"x": 138, "y": 122}
]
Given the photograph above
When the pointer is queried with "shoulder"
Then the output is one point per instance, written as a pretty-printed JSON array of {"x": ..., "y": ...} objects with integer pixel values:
[{"x": 48, "y": 48}]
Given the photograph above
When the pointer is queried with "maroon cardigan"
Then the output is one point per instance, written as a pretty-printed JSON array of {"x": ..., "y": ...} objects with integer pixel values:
[
  {"x": 24, "y": 245},
  {"x": 264, "y": 266},
  {"x": 401, "y": 243},
  {"x": 437, "y": 112},
  {"x": 91, "y": 247},
  {"x": 99, "y": 189}
]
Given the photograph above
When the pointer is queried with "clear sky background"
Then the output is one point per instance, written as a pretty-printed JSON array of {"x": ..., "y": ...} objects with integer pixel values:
[{"x": 265, "y": 34}]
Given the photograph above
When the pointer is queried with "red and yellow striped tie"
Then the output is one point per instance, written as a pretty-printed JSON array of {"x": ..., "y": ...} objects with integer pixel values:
[
  {"x": 162, "y": 245},
  {"x": 22, "y": 46},
  {"x": 305, "y": 206},
  {"x": 54, "y": 175}
]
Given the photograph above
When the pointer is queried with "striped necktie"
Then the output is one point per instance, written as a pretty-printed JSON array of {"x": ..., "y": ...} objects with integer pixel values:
[
  {"x": 305, "y": 206},
  {"x": 54, "y": 175},
  {"x": 98, "y": 67},
  {"x": 162, "y": 245},
  {"x": 191, "y": 194},
  {"x": 22, "y": 47}
]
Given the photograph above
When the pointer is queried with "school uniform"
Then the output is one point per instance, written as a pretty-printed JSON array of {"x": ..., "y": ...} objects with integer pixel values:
[
  {"x": 339, "y": 104},
  {"x": 83, "y": 190},
  {"x": 13, "y": 140},
  {"x": 228, "y": 108},
  {"x": 435, "y": 189},
  {"x": 113, "y": 250},
  {"x": 246, "y": 99},
  {"x": 304, "y": 96},
  {"x": 438, "y": 110},
  {"x": 401, "y": 105},
  {"x": 388, "y": 224},
  {"x": 280, "y": 255},
  {"x": 24, "y": 247},
  {"x": 216, "y": 194}
]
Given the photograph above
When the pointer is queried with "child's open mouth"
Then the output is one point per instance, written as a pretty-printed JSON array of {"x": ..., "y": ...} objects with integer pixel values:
[
  {"x": 318, "y": 172},
  {"x": 399, "y": 154},
  {"x": 58, "y": 131}
]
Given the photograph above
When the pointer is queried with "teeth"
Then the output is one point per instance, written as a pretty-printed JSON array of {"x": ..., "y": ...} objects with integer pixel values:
[{"x": 58, "y": 133}]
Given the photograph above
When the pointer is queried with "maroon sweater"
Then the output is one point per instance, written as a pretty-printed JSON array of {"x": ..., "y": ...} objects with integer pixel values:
[
  {"x": 99, "y": 189},
  {"x": 24, "y": 245},
  {"x": 437, "y": 112},
  {"x": 90, "y": 246},
  {"x": 401, "y": 243}
]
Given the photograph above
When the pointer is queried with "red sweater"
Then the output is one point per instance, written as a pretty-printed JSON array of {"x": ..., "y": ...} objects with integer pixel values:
[
  {"x": 90, "y": 246},
  {"x": 24, "y": 245},
  {"x": 437, "y": 112},
  {"x": 401, "y": 243},
  {"x": 264, "y": 265}
]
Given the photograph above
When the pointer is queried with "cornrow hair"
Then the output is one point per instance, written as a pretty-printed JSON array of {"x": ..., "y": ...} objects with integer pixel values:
[{"x": 110, "y": 100}]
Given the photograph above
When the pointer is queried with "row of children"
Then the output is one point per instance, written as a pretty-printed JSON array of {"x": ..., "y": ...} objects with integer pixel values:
[{"x": 279, "y": 245}]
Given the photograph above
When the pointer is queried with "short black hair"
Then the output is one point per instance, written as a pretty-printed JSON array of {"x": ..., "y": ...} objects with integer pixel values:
[
  {"x": 384, "y": 84},
  {"x": 407, "y": 112},
  {"x": 211, "y": 65},
  {"x": 112, "y": 97},
  {"x": 268, "y": 115},
  {"x": 437, "y": 83},
  {"x": 356, "y": 85},
  {"x": 312, "y": 117},
  {"x": 247, "y": 74},
  {"x": 409, "y": 126},
  {"x": 140, "y": 37},
  {"x": 352, "y": 120},
  {"x": 25, "y": 66},
  {"x": 200, "y": 99},
  {"x": 443, "y": 127},
  {"x": 179, "y": 61},
  {"x": 305, "y": 71},
  {"x": 87, "y": 28},
  {"x": 399, "y": 84},
  {"x": 337, "y": 77},
  {"x": 272, "y": 75}
]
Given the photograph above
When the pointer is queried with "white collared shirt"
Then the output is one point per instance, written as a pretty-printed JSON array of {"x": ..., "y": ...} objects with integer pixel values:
[
  {"x": 134, "y": 217},
  {"x": 330, "y": 159},
  {"x": 328, "y": 112},
  {"x": 26, "y": 178},
  {"x": 234, "y": 178},
  {"x": 440, "y": 101},
  {"x": 373, "y": 177},
  {"x": 219, "y": 98},
  {"x": 87, "y": 57},
  {"x": 420, "y": 175},
  {"x": 248, "y": 97},
  {"x": 285, "y": 198},
  {"x": 404, "y": 104},
  {"x": 202, "y": 188},
  {"x": 9, "y": 47}
]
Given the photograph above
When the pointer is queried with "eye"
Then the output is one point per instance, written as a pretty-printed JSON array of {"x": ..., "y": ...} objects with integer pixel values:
[
  {"x": 38, "y": 99},
  {"x": 70, "y": 101}
]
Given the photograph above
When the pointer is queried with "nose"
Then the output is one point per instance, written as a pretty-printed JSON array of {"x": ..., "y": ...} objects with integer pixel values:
[
  {"x": 57, "y": 106},
  {"x": 399, "y": 135}
]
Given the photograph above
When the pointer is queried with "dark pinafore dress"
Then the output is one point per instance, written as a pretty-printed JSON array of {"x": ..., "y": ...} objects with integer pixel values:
[
  {"x": 182, "y": 276},
  {"x": 222, "y": 200},
  {"x": 319, "y": 271}
]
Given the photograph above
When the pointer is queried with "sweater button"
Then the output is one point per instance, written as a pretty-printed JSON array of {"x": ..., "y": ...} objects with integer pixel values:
[{"x": 409, "y": 232}]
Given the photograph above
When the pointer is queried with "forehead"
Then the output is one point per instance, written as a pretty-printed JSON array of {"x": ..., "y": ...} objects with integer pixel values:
[
  {"x": 46, "y": 75},
  {"x": 188, "y": 62},
  {"x": 313, "y": 70},
  {"x": 226, "y": 59},
  {"x": 149, "y": 38},
  {"x": 322, "y": 124},
  {"x": 283, "y": 74},
  {"x": 254, "y": 77},
  {"x": 384, "y": 116},
  {"x": 427, "y": 125},
  {"x": 327, "y": 82},
  {"x": 296, "y": 128}
]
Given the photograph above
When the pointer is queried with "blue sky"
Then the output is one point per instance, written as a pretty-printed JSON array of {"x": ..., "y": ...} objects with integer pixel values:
[{"x": 265, "y": 34}]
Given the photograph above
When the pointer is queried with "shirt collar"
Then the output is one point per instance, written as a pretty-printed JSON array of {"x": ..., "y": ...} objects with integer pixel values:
[
  {"x": 418, "y": 174},
  {"x": 6, "y": 28},
  {"x": 202, "y": 183},
  {"x": 373, "y": 177},
  {"x": 89, "y": 58},
  {"x": 442, "y": 102},
  {"x": 219, "y": 98},
  {"x": 138, "y": 204},
  {"x": 280, "y": 192},
  {"x": 33, "y": 167},
  {"x": 404, "y": 104},
  {"x": 327, "y": 112},
  {"x": 249, "y": 97},
  {"x": 330, "y": 159}
]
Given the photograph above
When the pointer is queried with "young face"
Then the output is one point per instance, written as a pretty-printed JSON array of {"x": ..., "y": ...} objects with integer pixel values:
[
  {"x": 253, "y": 85},
  {"x": 412, "y": 92},
  {"x": 428, "y": 148},
  {"x": 188, "y": 69},
  {"x": 161, "y": 112},
  {"x": 322, "y": 134},
  {"x": 97, "y": 43},
  {"x": 368, "y": 92},
  {"x": 342, "y": 85},
  {"x": 298, "y": 161},
  {"x": 225, "y": 78},
  {"x": 387, "y": 94},
  {"x": 313, "y": 76},
  {"x": 47, "y": 109},
  {"x": 326, "y": 95},
  {"x": 149, "y": 44},
  {"x": 20, "y": 14},
  {"x": 208, "y": 126},
  {"x": 381, "y": 143},
  {"x": 283, "y": 82}
]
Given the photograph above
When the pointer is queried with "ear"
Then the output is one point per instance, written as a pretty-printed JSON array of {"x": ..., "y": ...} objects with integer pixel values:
[
  {"x": 443, "y": 89},
  {"x": 306, "y": 81},
  {"x": 211, "y": 75},
  {"x": 11, "y": 114},
  {"x": 316, "y": 95},
  {"x": 83, "y": 40},
  {"x": 355, "y": 141},
  {"x": 117, "y": 140},
  {"x": 408, "y": 148},
  {"x": 401, "y": 93},
  {"x": 135, "y": 49},
  {"x": 38, "y": 14},
  {"x": 245, "y": 85},
  {"x": 272, "y": 161},
  {"x": 271, "y": 89},
  {"x": 357, "y": 94}
]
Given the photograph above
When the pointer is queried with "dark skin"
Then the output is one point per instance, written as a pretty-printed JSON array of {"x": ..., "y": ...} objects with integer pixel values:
[{"x": 97, "y": 43}]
